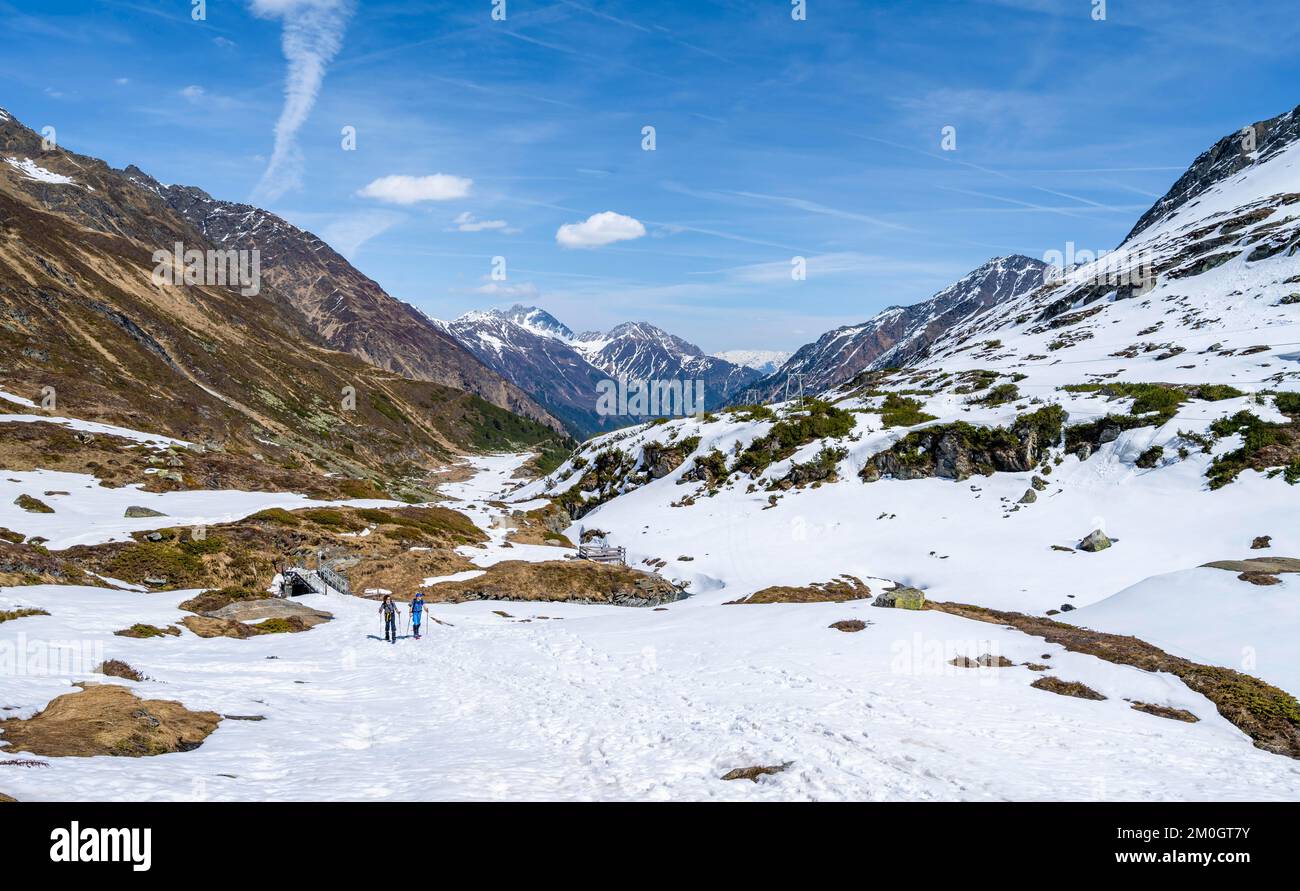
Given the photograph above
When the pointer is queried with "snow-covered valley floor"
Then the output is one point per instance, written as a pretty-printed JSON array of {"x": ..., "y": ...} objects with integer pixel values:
[{"x": 598, "y": 702}]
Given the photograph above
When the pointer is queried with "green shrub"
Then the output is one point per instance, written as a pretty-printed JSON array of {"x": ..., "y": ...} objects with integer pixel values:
[
  {"x": 1287, "y": 403},
  {"x": 277, "y": 515},
  {"x": 333, "y": 519},
  {"x": 819, "y": 420},
  {"x": 900, "y": 411},
  {"x": 1000, "y": 395},
  {"x": 1256, "y": 435},
  {"x": 141, "y": 560},
  {"x": 1151, "y": 457}
]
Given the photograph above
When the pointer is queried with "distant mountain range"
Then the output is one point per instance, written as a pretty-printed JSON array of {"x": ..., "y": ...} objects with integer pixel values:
[
  {"x": 901, "y": 334},
  {"x": 762, "y": 361},
  {"x": 562, "y": 370}
]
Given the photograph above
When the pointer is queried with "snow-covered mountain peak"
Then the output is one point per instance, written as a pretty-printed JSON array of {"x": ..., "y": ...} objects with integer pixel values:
[
  {"x": 762, "y": 361},
  {"x": 538, "y": 321},
  {"x": 900, "y": 334},
  {"x": 1254, "y": 162}
]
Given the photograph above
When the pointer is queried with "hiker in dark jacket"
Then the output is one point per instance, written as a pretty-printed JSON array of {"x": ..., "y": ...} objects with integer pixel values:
[{"x": 388, "y": 610}]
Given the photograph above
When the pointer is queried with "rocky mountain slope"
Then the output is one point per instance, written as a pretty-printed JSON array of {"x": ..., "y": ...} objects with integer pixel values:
[
  {"x": 1233, "y": 153},
  {"x": 639, "y": 350},
  {"x": 84, "y": 313},
  {"x": 1116, "y": 442},
  {"x": 541, "y": 361},
  {"x": 562, "y": 371},
  {"x": 900, "y": 334},
  {"x": 350, "y": 311}
]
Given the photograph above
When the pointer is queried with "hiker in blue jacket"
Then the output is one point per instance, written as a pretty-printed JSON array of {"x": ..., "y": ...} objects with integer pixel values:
[
  {"x": 388, "y": 610},
  {"x": 417, "y": 612}
]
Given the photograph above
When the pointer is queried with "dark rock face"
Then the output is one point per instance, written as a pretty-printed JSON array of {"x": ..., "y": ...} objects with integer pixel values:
[
  {"x": 660, "y": 460},
  {"x": 1224, "y": 159},
  {"x": 958, "y": 451}
]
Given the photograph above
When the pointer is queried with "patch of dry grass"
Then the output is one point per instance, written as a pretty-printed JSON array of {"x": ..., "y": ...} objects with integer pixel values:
[
  {"x": 108, "y": 719},
  {"x": 839, "y": 590}
]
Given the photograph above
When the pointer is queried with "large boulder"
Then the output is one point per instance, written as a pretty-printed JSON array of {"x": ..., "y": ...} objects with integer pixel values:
[
  {"x": 135, "y": 512},
  {"x": 564, "y": 581},
  {"x": 207, "y": 626},
  {"x": 660, "y": 460},
  {"x": 271, "y": 608},
  {"x": 1095, "y": 541},
  {"x": 960, "y": 450},
  {"x": 901, "y": 597}
]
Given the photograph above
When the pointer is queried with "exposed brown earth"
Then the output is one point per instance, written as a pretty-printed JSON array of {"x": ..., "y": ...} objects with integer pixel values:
[
  {"x": 566, "y": 581},
  {"x": 1268, "y": 565},
  {"x": 1066, "y": 688},
  {"x": 982, "y": 661},
  {"x": 107, "y": 719},
  {"x": 404, "y": 546},
  {"x": 753, "y": 773},
  {"x": 8, "y": 615},
  {"x": 141, "y": 631},
  {"x": 849, "y": 625},
  {"x": 1165, "y": 711},
  {"x": 212, "y": 626},
  {"x": 1260, "y": 578},
  {"x": 117, "y": 462},
  {"x": 1268, "y": 715},
  {"x": 33, "y": 505},
  {"x": 30, "y": 564},
  {"x": 116, "y": 668},
  {"x": 543, "y": 526},
  {"x": 840, "y": 590}
]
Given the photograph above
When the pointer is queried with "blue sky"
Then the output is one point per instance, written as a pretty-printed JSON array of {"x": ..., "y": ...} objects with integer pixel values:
[{"x": 775, "y": 138}]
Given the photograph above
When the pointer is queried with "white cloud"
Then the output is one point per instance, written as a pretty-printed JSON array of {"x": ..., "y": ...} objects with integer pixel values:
[
  {"x": 466, "y": 222},
  {"x": 521, "y": 291},
  {"x": 399, "y": 189},
  {"x": 347, "y": 234},
  {"x": 599, "y": 229},
  {"x": 197, "y": 95},
  {"x": 312, "y": 36},
  {"x": 834, "y": 264}
]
